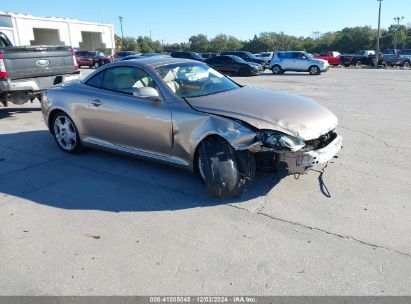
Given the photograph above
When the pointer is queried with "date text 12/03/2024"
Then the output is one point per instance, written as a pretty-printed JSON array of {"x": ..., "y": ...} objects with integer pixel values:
[{"x": 203, "y": 299}]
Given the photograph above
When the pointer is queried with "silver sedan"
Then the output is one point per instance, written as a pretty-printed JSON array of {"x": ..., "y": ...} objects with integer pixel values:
[{"x": 185, "y": 113}]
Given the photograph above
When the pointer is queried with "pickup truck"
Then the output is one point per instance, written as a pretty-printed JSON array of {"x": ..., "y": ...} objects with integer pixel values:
[
  {"x": 333, "y": 58},
  {"x": 26, "y": 71},
  {"x": 364, "y": 57},
  {"x": 397, "y": 57}
]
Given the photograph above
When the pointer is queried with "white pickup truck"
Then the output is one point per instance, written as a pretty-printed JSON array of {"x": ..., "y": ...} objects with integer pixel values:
[{"x": 28, "y": 70}]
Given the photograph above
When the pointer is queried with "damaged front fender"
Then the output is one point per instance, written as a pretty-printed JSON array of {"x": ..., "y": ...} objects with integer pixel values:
[{"x": 190, "y": 129}]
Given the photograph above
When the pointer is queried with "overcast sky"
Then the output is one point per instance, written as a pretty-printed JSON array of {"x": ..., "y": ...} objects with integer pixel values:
[{"x": 177, "y": 20}]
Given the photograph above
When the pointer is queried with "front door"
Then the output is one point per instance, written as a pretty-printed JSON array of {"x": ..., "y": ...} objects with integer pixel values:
[{"x": 119, "y": 118}]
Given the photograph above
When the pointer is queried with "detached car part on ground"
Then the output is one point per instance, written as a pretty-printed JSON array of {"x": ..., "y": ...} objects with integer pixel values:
[{"x": 185, "y": 113}]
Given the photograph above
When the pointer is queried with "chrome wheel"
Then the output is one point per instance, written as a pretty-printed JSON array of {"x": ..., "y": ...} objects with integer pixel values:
[
  {"x": 65, "y": 133},
  {"x": 407, "y": 65}
]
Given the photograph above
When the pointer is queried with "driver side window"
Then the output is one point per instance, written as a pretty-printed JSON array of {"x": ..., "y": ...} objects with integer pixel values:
[
  {"x": 298, "y": 56},
  {"x": 122, "y": 79}
]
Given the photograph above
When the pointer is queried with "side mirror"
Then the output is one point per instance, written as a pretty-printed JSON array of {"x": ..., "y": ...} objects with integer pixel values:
[{"x": 147, "y": 93}]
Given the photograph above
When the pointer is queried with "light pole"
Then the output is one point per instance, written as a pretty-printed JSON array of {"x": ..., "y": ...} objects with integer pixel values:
[
  {"x": 377, "y": 53},
  {"x": 398, "y": 19},
  {"x": 122, "y": 34}
]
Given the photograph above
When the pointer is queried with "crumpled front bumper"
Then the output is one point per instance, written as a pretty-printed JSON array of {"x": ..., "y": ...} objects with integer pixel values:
[{"x": 300, "y": 162}]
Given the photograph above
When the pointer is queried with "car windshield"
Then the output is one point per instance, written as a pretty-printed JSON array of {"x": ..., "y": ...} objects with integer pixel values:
[
  {"x": 251, "y": 55},
  {"x": 238, "y": 59},
  {"x": 308, "y": 55},
  {"x": 194, "y": 80},
  {"x": 196, "y": 55}
]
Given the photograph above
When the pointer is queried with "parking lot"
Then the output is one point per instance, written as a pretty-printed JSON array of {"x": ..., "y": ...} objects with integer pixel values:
[{"x": 104, "y": 224}]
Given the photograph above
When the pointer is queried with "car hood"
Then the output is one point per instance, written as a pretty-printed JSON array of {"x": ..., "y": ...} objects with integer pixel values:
[
  {"x": 265, "y": 109},
  {"x": 319, "y": 60}
]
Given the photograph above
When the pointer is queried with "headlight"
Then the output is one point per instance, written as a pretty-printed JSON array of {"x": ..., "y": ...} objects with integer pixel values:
[{"x": 280, "y": 141}]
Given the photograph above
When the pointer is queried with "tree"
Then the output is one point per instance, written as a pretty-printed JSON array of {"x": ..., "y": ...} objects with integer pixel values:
[
  {"x": 199, "y": 43},
  {"x": 147, "y": 45},
  {"x": 129, "y": 44}
]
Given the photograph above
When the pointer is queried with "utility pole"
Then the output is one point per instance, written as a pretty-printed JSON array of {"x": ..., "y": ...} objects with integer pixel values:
[
  {"x": 398, "y": 19},
  {"x": 377, "y": 53},
  {"x": 122, "y": 34}
]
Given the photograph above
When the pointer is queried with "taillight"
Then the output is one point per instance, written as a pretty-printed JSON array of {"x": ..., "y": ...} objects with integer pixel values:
[
  {"x": 398, "y": 58},
  {"x": 75, "y": 61},
  {"x": 3, "y": 72}
]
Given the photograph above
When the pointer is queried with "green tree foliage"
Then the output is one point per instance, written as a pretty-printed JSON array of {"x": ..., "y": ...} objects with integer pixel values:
[
  {"x": 129, "y": 44},
  {"x": 347, "y": 40},
  {"x": 222, "y": 42},
  {"x": 147, "y": 45},
  {"x": 199, "y": 43}
]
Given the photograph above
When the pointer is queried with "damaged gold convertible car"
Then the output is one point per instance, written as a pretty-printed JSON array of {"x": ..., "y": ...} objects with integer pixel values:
[{"x": 187, "y": 114}]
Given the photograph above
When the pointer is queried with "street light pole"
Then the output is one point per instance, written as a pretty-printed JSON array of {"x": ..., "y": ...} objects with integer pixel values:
[
  {"x": 122, "y": 34},
  {"x": 377, "y": 53},
  {"x": 398, "y": 19}
]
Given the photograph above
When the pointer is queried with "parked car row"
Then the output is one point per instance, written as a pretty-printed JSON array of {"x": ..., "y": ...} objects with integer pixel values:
[{"x": 391, "y": 57}]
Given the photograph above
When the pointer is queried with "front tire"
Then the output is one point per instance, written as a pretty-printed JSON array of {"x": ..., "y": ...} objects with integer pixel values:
[
  {"x": 314, "y": 70},
  {"x": 65, "y": 133},
  {"x": 242, "y": 71},
  {"x": 226, "y": 172}
]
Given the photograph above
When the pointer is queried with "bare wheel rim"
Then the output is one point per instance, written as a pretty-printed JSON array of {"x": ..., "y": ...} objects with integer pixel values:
[
  {"x": 65, "y": 133},
  {"x": 406, "y": 64}
]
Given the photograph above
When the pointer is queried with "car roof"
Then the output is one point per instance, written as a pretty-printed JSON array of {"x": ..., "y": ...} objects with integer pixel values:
[
  {"x": 153, "y": 62},
  {"x": 145, "y": 62}
]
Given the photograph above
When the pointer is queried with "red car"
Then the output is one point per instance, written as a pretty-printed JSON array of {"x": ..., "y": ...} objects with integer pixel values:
[
  {"x": 332, "y": 57},
  {"x": 92, "y": 59}
]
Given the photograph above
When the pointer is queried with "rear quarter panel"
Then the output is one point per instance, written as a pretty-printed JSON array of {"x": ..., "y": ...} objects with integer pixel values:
[{"x": 71, "y": 98}]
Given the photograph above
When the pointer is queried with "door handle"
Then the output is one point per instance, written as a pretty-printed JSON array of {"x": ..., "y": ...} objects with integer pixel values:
[{"x": 96, "y": 102}]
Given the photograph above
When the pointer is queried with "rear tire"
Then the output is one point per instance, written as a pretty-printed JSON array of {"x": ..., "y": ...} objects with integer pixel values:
[
  {"x": 226, "y": 172},
  {"x": 276, "y": 69},
  {"x": 406, "y": 65}
]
